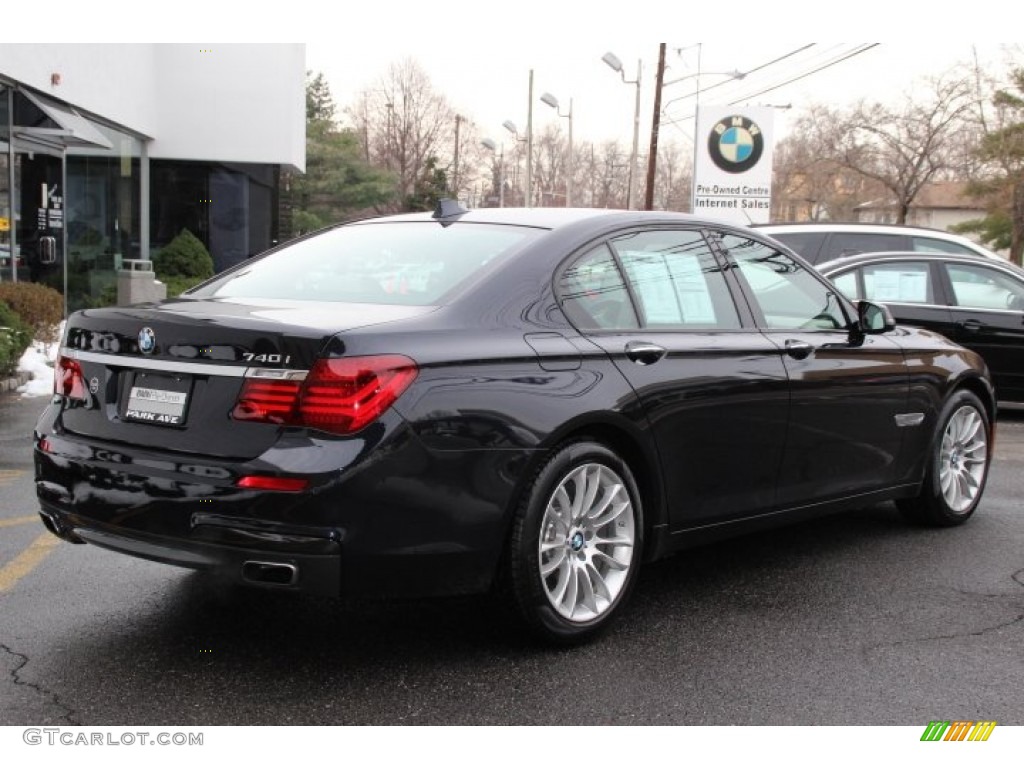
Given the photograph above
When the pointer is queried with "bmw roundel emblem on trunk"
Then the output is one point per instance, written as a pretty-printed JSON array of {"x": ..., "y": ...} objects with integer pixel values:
[{"x": 147, "y": 340}]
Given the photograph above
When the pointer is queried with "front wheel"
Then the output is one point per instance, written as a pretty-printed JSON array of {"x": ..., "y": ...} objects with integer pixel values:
[
  {"x": 957, "y": 466},
  {"x": 576, "y": 542}
]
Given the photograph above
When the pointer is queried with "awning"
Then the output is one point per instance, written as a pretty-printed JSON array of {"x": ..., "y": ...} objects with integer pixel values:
[{"x": 73, "y": 131}]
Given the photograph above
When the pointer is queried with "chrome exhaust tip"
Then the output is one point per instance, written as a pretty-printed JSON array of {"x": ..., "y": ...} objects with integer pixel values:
[
  {"x": 275, "y": 574},
  {"x": 52, "y": 524}
]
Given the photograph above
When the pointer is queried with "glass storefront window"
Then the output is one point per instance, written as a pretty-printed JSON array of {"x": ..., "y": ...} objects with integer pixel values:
[{"x": 102, "y": 216}]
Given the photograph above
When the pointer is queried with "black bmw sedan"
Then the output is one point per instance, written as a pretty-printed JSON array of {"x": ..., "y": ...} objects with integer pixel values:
[
  {"x": 530, "y": 401},
  {"x": 976, "y": 301}
]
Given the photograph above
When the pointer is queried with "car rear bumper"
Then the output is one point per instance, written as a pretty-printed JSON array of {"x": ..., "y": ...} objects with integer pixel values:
[
  {"x": 277, "y": 569},
  {"x": 387, "y": 528}
]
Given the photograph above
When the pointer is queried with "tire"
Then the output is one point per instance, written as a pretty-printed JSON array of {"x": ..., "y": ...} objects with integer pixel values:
[
  {"x": 576, "y": 543},
  {"x": 957, "y": 466}
]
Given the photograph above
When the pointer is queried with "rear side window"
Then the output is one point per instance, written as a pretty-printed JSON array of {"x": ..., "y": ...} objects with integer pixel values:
[
  {"x": 807, "y": 244},
  {"x": 849, "y": 243},
  {"x": 677, "y": 280},
  {"x": 899, "y": 282},
  {"x": 412, "y": 263},
  {"x": 594, "y": 295},
  {"x": 847, "y": 284},
  {"x": 934, "y": 245}
]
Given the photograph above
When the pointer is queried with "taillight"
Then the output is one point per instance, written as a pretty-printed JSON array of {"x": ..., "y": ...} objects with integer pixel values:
[
  {"x": 68, "y": 379},
  {"x": 270, "y": 483},
  {"x": 340, "y": 395}
]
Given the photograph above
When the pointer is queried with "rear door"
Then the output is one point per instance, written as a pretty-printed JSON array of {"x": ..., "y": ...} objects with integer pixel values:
[
  {"x": 714, "y": 389},
  {"x": 913, "y": 290},
  {"x": 987, "y": 317}
]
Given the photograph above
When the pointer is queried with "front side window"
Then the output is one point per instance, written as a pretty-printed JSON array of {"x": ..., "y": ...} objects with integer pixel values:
[
  {"x": 899, "y": 282},
  {"x": 412, "y": 263},
  {"x": 789, "y": 296},
  {"x": 677, "y": 280},
  {"x": 984, "y": 288}
]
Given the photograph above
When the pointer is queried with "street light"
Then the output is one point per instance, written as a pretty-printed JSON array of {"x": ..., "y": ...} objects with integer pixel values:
[
  {"x": 552, "y": 102},
  {"x": 493, "y": 146},
  {"x": 509, "y": 126},
  {"x": 613, "y": 61}
]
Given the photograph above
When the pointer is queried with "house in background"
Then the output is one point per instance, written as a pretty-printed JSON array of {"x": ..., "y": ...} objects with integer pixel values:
[
  {"x": 939, "y": 205},
  {"x": 108, "y": 151}
]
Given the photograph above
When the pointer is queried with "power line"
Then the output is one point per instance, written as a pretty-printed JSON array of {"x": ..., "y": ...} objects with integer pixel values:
[{"x": 862, "y": 49}]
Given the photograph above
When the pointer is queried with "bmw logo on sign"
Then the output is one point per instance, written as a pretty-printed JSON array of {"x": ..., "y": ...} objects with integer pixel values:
[
  {"x": 147, "y": 340},
  {"x": 735, "y": 144}
]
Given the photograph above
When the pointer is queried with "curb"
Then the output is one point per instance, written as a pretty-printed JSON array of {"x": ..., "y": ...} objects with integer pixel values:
[{"x": 15, "y": 381}]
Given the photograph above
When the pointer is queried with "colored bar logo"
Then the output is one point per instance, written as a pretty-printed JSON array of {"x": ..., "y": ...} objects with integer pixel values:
[{"x": 958, "y": 730}]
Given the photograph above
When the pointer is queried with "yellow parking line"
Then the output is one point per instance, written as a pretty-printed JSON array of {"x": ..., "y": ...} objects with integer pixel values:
[
  {"x": 24, "y": 563},
  {"x": 7, "y": 475},
  {"x": 19, "y": 521}
]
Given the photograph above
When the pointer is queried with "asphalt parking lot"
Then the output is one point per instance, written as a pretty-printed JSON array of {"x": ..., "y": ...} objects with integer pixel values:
[{"x": 855, "y": 619}]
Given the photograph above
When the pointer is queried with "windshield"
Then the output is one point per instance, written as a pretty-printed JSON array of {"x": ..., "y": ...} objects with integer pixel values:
[{"x": 412, "y": 263}]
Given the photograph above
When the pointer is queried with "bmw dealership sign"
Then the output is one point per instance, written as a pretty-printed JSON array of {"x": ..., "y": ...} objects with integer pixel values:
[{"x": 732, "y": 166}]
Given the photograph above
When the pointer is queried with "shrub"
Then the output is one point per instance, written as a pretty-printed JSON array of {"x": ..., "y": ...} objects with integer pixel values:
[
  {"x": 41, "y": 308},
  {"x": 184, "y": 256},
  {"x": 15, "y": 337}
]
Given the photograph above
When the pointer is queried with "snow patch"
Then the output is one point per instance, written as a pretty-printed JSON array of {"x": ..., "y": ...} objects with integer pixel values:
[{"x": 38, "y": 360}]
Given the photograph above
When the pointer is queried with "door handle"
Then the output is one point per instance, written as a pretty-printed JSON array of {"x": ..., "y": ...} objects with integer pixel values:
[
  {"x": 972, "y": 326},
  {"x": 797, "y": 349},
  {"x": 644, "y": 353}
]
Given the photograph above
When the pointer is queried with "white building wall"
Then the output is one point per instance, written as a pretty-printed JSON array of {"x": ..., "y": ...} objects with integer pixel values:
[
  {"x": 231, "y": 102},
  {"x": 203, "y": 101},
  {"x": 113, "y": 81}
]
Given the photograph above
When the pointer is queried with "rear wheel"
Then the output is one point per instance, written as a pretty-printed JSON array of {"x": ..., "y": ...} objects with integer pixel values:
[
  {"x": 957, "y": 467},
  {"x": 575, "y": 545}
]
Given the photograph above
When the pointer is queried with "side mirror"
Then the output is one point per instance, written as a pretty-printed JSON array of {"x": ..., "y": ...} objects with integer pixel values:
[{"x": 874, "y": 318}]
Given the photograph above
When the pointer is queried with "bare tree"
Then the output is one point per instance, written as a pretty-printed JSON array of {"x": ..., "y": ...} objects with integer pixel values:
[
  {"x": 673, "y": 178},
  {"x": 904, "y": 148},
  {"x": 809, "y": 183},
  {"x": 403, "y": 122}
]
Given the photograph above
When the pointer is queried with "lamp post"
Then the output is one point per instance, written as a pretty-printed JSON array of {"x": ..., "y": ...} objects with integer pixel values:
[
  {"x": 552, "y": 102},
  {"x": 613, "y": 61},
  {"x": 493, "y": 146},
  {"x": 509, "y": 126}
]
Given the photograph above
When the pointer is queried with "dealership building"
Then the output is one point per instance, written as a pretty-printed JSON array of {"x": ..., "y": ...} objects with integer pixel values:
[{"x": 107, "y": 152}]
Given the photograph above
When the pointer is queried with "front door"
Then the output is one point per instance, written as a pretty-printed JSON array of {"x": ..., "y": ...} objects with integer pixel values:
[{"x": 847, "y": 389}]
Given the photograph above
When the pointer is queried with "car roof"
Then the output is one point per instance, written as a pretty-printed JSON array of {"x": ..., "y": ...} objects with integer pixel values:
[
  {"x": 853, "y": 226},
  {"x": 881, "y": 256},
  {"x": 554, "y": 218}
]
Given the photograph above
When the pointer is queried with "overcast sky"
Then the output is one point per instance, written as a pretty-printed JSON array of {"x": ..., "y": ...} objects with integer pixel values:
[
  {"x": 479, "y": 52},
  {"x": 488, "y": 81}
]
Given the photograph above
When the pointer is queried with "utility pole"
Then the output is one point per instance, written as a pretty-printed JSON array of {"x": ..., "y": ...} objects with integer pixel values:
[
  {"x": 652, "y": 157},
  {"x": 529, "y": 146},
  {"x": 455, "y": 164},
  {"x": 636, "y": 139}
]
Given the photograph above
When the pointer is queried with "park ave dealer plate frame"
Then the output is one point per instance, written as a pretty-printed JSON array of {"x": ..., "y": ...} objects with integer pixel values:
[{"x": 159, "y": 400}]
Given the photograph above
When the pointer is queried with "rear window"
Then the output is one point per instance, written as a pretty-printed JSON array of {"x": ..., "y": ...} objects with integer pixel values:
[
  {"x": 806, "y": 244},
  {"x": 411, "y": 263}
]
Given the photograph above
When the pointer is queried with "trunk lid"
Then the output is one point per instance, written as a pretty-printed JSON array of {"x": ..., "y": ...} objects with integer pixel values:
[{"x": 168, "y": 376}]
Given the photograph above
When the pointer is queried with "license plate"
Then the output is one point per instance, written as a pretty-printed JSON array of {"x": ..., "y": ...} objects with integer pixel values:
[{"x": 160, "y": 400}]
